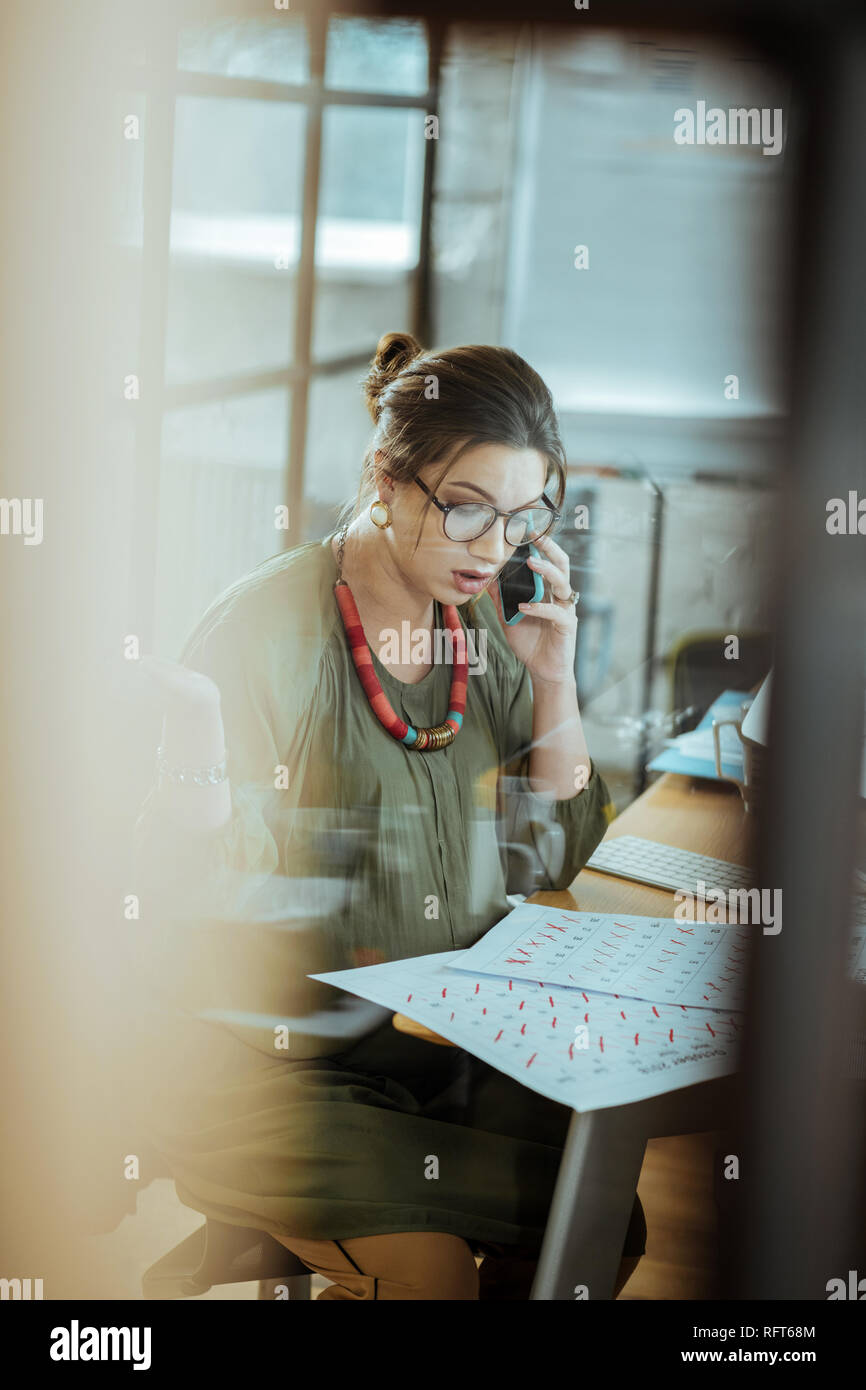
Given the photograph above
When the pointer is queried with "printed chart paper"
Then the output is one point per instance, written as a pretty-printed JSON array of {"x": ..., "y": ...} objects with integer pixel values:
[
  {"x": 586, "y": 1050},
  {"x": 656, "y": 958}
]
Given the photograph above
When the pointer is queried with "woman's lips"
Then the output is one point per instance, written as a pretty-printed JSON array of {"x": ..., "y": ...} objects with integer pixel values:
[{"x": 471, "y": 581}]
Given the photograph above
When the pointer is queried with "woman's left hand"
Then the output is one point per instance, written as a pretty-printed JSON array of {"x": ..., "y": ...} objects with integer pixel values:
[{"x": 545, "y": 639}]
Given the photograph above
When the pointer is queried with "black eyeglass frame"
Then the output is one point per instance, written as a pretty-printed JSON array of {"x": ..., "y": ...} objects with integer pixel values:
[{"x": 446, "y": 507}]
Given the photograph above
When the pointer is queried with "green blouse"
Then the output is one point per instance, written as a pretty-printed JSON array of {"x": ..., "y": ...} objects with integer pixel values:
[{"x": 343, "y": 847}]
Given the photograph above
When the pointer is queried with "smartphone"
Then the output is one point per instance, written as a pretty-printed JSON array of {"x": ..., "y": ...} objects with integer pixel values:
[{"x": 519, "y": 584}]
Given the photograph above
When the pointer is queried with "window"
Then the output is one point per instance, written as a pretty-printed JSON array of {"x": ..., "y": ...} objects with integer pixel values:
[{"x": 285, "y": 216}]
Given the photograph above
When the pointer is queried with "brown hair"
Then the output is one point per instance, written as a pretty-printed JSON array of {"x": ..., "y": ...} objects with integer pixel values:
[{"x": 423, "y": 404}]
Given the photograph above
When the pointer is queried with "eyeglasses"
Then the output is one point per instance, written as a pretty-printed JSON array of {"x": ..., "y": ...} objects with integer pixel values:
[{"x": 466, "y": 521}]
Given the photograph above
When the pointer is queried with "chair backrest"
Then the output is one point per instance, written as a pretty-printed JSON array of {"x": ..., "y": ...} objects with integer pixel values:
[{"x": 700, "y": 671}]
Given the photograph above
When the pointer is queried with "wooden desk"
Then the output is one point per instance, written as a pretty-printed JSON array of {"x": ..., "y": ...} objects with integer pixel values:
[
  {"x": 604, "y": 1151},
  {"x": 706, "y": 817}
]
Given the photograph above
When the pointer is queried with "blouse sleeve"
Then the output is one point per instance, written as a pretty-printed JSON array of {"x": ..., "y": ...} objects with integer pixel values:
[
  {"x": 266, "y": 700},
  {"x": 239, "y": 918},
  {"x": 546, "y": 841}
]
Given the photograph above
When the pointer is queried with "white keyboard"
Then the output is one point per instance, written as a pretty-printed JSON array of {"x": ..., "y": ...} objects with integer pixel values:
[{"x": 662, "y": 866}]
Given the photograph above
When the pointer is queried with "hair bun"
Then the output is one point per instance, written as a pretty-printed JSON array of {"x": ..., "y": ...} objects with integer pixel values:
[{"x": 393, "y": 353}]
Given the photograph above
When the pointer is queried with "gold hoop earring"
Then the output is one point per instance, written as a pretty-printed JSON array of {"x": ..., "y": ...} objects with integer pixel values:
[{"x": 378, "y": 510}]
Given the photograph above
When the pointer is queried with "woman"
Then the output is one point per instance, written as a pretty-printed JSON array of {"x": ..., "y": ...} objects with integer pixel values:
[{"x": 325, "y": 829}]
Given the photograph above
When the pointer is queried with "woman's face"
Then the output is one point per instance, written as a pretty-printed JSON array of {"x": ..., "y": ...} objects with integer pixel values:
[{"x": 455, "y": 571}]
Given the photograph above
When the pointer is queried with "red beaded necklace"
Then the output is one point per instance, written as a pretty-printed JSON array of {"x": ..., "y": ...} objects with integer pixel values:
[{"x": 420, "y": 740}]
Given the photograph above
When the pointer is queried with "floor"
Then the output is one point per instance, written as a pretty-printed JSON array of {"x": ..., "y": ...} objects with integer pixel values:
[{"x": 675, "y": 1188}]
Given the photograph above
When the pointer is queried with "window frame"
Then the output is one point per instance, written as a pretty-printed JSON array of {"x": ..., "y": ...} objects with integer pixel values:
[{"x": 162, "y": 82}]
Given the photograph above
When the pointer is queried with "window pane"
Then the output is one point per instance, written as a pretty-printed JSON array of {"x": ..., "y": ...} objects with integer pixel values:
[
  {"x": 377, "y": 55},
  {"x": 368, "y": 226},
  {"x": 475, "y": 206},
  {"x": 338, "y": 432},
  {"x": 221, "y": 478},
  {"x": 249, "y": 430},
  {"x": 235, "y": 231},
  {"x": 273, "y": 48},
  {"x": 687, "y": 244}
]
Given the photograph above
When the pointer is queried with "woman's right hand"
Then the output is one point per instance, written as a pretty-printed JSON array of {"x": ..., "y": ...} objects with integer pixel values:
[{"x": 193, "y": 736}]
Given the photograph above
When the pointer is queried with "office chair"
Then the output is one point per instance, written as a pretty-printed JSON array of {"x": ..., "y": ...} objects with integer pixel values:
[
  {"x": 698, "y": 671},
  {"x": 220, "y": 1253}
]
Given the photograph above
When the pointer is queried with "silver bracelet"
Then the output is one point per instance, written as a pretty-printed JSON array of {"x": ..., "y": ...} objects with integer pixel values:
[{"x": 200, "y": 776}]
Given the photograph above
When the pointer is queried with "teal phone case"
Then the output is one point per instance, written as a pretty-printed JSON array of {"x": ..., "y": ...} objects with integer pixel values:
[{"x": 536, "y": 597}]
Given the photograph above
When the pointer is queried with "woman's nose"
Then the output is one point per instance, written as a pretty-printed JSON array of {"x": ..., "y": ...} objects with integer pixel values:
[{"x": 492, "y": 547}]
